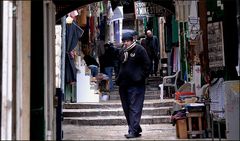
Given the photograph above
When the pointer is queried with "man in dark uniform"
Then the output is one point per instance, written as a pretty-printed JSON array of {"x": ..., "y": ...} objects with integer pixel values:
[{"x": 134, "y": 69}]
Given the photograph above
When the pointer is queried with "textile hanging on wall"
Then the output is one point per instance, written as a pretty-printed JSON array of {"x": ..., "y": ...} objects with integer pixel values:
[
  {"x": 92, "y": 28},
  {"x": 174, "y": 30},
  {"x": 82, "y": 18},
  {"x": 95, "y": 13},
  {"x": 117, "y": 14},
  {"x": 101, "y": 27},
  {"x": 85, "y": 37},
  {"x": 162, "y": 37},
  {"x": 176, "y": 59},
  {"x": 182, "y": 10},
  {"x": 183, "y": 53},
  {"x": 155, "y": 26},
  {"x": 168, "y": 27},
  {"x": 73, "y": 34},
  {"x": 116, "y": 31}
]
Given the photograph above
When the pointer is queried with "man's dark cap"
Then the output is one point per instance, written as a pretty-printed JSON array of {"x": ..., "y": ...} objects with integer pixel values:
[{"x": 127, "y": 36}]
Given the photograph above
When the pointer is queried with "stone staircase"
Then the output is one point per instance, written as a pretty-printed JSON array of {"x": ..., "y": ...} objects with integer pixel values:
[{"x": 110, "y": 112}]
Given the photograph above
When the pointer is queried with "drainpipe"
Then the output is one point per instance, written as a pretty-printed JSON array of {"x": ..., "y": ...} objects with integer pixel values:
[{"x": 6, "y": 117}]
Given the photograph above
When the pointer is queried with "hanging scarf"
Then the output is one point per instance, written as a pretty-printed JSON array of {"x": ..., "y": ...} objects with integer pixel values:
[{"x": 125, "y": 51}]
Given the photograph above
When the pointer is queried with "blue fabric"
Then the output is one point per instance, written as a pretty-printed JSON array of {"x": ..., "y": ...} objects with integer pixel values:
[
  {"x": 94, "y": 70},
  {"x": 73, "y": 34},
  {"x": 109, "y": 72}
]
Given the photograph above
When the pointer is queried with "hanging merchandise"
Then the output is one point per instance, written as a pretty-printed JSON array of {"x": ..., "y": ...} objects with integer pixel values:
[
  {"x": 73, "y": 14},
  {"x": 109, "y": 12},
  {"x": 168, "y": 34},
  {"x": 155, "y": 26},
  {"x": 176, "y": 59},
  {"x": 145, "y": 23},
  {"x": 73, "y": 34},
  {"x": 182, "y": 10},
  {"x": 82, "y": 19},
  {"x": 117, "y": 18},
  {"x": 183, "y": 53},
  {"x": 101, "y": 8},
  {"x": 116, "y": 31},
  {"x": 174, "y": 31},
  {"x": 94, "y": 13},
  {"x": 101, "y": 27},
  {"x": 193, "y": 21},
  {"x": 105, "y": 7},
  {"x": 97, "y": 20},
  {"x": 85, "y": 38},
  {"x": 92, "y": 28},
  {"x": 110, "y": 24},
  {"x": 117, "y": 14},
  {"x": 162, "y": 37}
]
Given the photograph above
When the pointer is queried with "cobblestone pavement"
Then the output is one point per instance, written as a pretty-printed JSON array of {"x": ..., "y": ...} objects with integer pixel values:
[{"x": 150, "y": 132}]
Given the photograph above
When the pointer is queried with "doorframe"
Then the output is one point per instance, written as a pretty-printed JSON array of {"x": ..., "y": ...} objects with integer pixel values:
[
  {"x": 7, "y": 62},
  {"x": 49, "y": 70}
]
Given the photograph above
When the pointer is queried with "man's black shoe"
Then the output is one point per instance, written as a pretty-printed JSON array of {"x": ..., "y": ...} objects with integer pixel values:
[
  {"x": 139, "y": 130},
  {"x": 132, "y": 135}
]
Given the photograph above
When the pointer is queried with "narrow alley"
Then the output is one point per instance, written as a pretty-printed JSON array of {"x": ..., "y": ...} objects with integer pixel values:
[
  {"x": 105, "y": 120},
  {"x": 119, "y": 69}
]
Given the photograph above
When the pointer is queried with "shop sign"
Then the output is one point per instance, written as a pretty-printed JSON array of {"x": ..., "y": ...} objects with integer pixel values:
[{"x": 149, "y": 9}]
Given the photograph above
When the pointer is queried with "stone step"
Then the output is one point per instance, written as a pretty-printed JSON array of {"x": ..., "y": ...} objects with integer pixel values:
[
  {"x": 148, "y": 96},
  {"x": 148, "y": 88},
  {"x": 114, "y": 120},
  {"x": 146, "y": 93},
  {"x": 113, "y": 112},
  {"x": 116, "y": 104}
]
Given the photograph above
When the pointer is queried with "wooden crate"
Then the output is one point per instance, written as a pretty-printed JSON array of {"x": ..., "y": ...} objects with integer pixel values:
[{"x": 181, "y": 129}]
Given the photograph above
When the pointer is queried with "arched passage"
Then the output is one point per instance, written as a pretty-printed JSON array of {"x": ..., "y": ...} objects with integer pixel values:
[{"x": 64, "y": 7}]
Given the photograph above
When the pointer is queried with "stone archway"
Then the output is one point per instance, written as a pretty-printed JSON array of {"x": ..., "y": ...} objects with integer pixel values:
[{"x": 64, "y": 7}]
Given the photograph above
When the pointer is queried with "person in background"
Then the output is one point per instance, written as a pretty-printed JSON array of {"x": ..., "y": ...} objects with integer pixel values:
[
  {"x": 108, "y": 62},
  {"x": 116, "y": 62},
  {"x": 92, "y": 64},
  {"x": 135, "y": 37},
  {"x": 134, "y": 68},
  {"x": 142, "y": 40},
  {"x": 154, "y": 54}
]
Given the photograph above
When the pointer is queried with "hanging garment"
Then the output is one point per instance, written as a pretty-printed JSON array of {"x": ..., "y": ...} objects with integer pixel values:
[
  {"x": 73, "y": 34},
  {"x": 174, "y": 30},
  {"x": 82, "y": 19}
]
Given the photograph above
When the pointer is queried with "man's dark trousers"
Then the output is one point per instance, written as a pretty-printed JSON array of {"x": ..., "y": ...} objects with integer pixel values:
[
  {"x": 132, "y": 98},
  {"x": 156, "y": 62}
]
